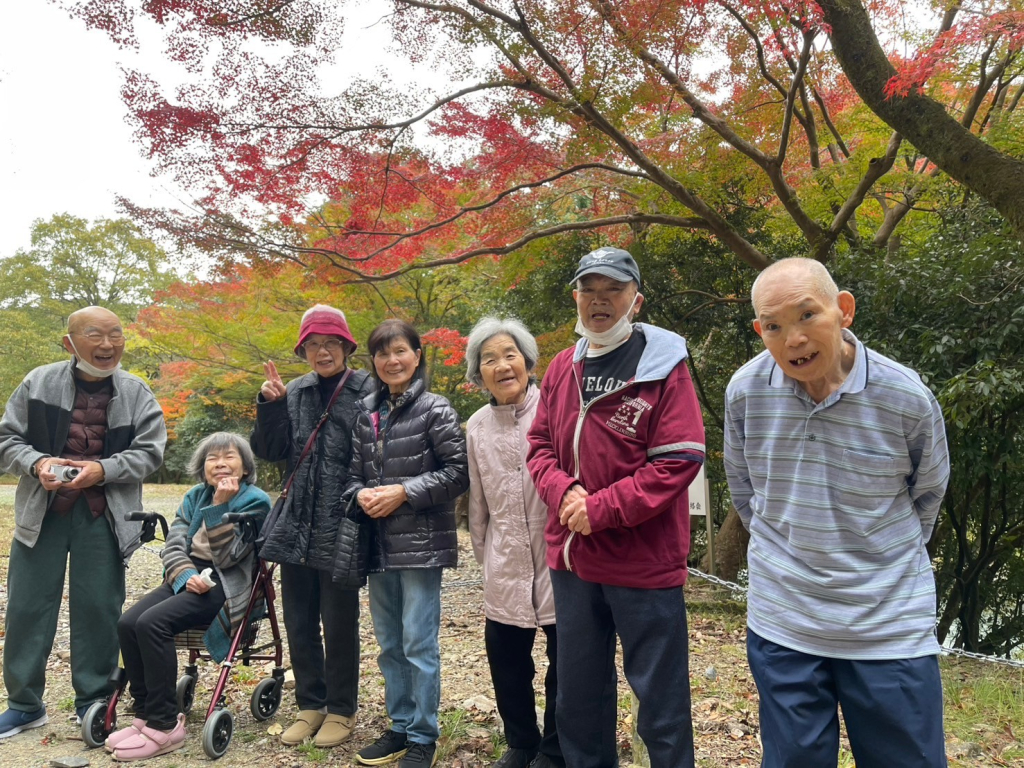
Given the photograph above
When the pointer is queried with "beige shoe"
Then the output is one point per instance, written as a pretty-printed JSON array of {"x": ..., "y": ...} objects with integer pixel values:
[
  {"x": 306, "y": 724},
  {"x": 337, "y": 729}
]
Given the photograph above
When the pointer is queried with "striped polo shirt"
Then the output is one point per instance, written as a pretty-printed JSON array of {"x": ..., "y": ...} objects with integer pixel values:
[{"x": 840, "y": 498}]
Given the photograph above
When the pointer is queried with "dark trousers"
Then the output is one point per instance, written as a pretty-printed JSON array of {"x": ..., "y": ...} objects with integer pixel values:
[
  {"x": 893, "y": 709},
  {"x": 510, "y": 656},
  {"x": 146, "y": 631},
  {"x": 35, "y": 583},
  {"x": 651, "y": 624},
  {"x": 329, "y": 679}
]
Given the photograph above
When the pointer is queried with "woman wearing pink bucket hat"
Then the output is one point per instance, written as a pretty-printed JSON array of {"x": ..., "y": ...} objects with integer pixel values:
[{"x": 305, "y": 537}]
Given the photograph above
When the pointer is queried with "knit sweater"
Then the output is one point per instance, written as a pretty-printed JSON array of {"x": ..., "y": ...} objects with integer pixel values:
[{"x": 233, "y": 554}]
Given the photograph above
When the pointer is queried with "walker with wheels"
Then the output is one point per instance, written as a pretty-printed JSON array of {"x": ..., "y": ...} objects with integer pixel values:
[{"x": 100, "y": 720}]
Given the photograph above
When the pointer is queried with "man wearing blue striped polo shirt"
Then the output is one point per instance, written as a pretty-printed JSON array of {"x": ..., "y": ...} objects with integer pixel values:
[{"x": 837, "y": 463}]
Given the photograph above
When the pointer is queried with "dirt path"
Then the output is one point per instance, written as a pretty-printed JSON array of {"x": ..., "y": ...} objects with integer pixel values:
[{"x": 724, "y": 696}]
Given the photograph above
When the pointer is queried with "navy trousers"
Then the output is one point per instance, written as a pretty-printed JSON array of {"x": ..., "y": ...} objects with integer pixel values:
[
  {"x": 893, "y": 709},
  {"x": 651, "y": 624}
]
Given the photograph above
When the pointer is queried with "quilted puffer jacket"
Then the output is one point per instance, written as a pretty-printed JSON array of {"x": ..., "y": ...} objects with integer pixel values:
[
  {"x": 425, "y": 451},
  {"x": 282, "y": 428}
]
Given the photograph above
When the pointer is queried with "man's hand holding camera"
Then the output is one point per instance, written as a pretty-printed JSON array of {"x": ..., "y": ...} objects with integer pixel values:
[{"x": 54, "y": 473}]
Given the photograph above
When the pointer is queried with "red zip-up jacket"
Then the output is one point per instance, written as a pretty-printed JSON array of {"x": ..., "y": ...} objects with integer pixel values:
[{"x": 635, "y": 450}]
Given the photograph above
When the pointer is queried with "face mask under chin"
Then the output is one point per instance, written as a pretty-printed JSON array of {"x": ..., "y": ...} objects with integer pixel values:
[
  {"x": 88, "y": 368},
  {"x": 614, "y": 335}
]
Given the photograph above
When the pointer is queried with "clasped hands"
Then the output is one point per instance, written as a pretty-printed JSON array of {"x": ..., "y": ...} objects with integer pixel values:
[
  {"x": 91, "y": 473},
  {"x": 573, "y": 511},
  {"x": 383, "y": 500}
]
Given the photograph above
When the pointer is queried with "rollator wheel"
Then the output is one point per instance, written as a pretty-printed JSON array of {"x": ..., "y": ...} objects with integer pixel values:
[
  {"x": 217, "y": 733},
  {"x": 266, "y": 698},
  {"x": 186, "y": 693},
  {"x": 94, "y": 732}
]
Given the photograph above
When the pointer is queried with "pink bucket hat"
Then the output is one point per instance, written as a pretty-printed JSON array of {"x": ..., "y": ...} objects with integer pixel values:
[{"x": 329, "y": 321}]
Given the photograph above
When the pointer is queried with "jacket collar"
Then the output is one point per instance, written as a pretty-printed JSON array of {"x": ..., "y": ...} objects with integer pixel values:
[
  {"x": 664, "y": 351},
  {"x": 516, "y": 410},
  {"x": 372, "y": 401},
  {"x": 115, "y": 379},
  {"x": 855, "y": 381}
]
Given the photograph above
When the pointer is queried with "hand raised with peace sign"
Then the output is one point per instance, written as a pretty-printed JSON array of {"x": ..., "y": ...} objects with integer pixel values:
[{"x": 273, "y": 388}]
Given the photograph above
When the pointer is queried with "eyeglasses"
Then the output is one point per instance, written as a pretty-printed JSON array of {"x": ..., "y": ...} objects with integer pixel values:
[
  {"x": 116, "y": 338},
  {"x": 331, "y": 345}
]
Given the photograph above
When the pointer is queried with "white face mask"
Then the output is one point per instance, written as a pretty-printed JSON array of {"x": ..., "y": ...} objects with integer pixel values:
[
  {"x": 614, "y": 335},
  {"x": 88, "y": 368}
]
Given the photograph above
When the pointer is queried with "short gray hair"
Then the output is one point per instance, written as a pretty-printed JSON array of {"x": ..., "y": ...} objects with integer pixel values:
[
  {"x": 489, "y": 327},
  {"x": 821, "y": 280},
  {"x": 218, "y": 441}
]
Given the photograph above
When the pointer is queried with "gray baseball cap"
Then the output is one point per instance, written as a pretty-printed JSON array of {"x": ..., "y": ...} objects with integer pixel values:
[{"x": 610, "y": 262}]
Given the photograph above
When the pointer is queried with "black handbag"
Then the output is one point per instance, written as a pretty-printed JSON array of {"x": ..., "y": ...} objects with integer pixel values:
[
  {"x": 350, "y": 563},
  {"x": 282, "y": 507}
]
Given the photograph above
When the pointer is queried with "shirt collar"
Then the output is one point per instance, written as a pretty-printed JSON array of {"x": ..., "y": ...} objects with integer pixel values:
[{"x": 855, "y": 382}]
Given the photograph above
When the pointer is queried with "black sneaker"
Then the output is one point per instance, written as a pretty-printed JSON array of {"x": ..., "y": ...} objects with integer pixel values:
[
  {"x": 515, "y": 758},
  {"x": 390, "y": 746},
  {"x": 419, "y": 756}
]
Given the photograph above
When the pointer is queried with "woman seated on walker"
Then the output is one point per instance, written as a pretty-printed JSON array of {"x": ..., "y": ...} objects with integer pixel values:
[{"x": 198, "y": 541}]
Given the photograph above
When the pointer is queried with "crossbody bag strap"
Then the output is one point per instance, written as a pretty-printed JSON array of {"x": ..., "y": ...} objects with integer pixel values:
[{"x": 316, "y": 430}]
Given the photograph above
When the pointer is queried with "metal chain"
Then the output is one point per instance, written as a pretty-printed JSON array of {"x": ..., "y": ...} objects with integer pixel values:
[
  {"x": 737, "y": 589},
  {"x": 740, "y": 590},
  {"x": 732, "y": 587},
  {"x": 982, "y": 657}
]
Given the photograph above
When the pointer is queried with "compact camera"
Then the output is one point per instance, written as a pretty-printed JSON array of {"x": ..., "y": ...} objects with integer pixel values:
[{"x": 64, "y": 473}]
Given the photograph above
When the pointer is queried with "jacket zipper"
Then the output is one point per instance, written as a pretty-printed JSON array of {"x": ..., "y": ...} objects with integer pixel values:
[{"x": 584, "y": 407}]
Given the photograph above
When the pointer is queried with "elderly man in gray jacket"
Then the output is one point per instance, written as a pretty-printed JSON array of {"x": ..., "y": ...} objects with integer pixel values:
[{"x": 81, "y": 436}]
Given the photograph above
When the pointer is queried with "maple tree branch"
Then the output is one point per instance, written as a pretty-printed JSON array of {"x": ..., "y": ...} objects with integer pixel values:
[
  {"x": 402, "y": 236},
  {"x": 995, "y": 176},
  {"x": 336, "y": 131},
  {"x": 762, "y": 64},
  {"x": 985, "y": 80},
  {"x": 699, "y": 109},
  {"x": 828, "y": 121},
  {"x": 811, "y": 229},
  {"x": 877, "y": 168},
  {"x": 787, "y": 120},
  {"x": 572, "y": 226}
]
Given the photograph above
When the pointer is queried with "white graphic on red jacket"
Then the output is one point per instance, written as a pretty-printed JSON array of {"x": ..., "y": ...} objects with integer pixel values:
[{"x": 628, "y": 415}]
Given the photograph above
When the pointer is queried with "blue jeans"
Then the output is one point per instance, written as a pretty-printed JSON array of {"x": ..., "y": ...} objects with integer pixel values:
[
  {"x": 893, "y": 709},
  {"x": 405, "y": 606}
]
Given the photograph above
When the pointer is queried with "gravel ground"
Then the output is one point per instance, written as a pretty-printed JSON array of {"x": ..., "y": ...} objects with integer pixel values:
[{"x": 724, "y": 696}]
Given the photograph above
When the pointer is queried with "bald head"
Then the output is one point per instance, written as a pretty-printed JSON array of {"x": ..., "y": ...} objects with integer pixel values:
[
  {"x": 88, "y": 317},
  {"x": 812, "y": 273},
  {"x": 96, "y": 339}
]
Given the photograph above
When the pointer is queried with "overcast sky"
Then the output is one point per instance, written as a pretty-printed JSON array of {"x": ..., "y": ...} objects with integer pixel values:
[{"x": 65, "y": 145}]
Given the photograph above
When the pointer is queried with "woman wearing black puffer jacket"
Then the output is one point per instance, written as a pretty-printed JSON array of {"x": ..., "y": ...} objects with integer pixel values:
[
  {"x": 305, "y": 539},
  {"x": 408, "y": 466}
]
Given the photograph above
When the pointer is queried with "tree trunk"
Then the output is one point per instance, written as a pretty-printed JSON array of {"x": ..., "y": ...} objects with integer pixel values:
[
  {"x": 730, "y": 548},
  {"x": 924, "y": 122}
]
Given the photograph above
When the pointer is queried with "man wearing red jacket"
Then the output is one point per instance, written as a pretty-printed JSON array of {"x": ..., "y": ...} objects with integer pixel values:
[{"x": 617, "y": 439}]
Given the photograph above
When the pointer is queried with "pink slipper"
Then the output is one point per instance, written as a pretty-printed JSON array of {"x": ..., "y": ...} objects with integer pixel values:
[
  {"x": 150, "y": 742},
  {"x": 118, "y": 736}
]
